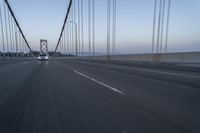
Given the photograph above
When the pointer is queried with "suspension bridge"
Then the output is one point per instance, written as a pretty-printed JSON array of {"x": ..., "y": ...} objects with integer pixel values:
[{"x": 80, "y": 91}]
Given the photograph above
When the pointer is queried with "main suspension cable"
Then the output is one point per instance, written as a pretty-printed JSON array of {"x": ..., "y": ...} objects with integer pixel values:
[{"x": 66, "y": 18}]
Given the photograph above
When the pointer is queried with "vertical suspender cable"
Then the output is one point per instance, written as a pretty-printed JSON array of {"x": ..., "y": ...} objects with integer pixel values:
[
  {"x": 62, "y": 44},
  {"x": 159, "y": 21},
  {"x": 13, "y": 39},
  {"x": 17, "y": 24},
  {"x": 70, "y": 38},
  {"x": 73, "y": 28},
  {"x": 114, "y": 28},
  {"x": 19, "y": 43},
  {"x": 154, "y": 26},
  {"x": 108, "y": 28},
  {"x": 6, "y": 26},
  {"x": 16, "y": 39},
  {"x": 70, "y": 35},
  {"x": 65, "y": 40},
  {"x": 58, "y": 48},
  {"x": 63, "y": 48},
  {"x": 162, "y": 26},
  {"x": 25, "y": 50},
  {"x": 12, "y": 32},
  {"x": 69, "y": 31},
  {"x": 9, "y": 27},
  {"x": 79, "y": 33},
  {"x": 66, "y": 32},
  {"x": 93, "y": 26},
  {"x": 82, "y": 28},
  {"x": 89, "y": 26},
  {"x": 167, "y": 28},
  {"x": 23, "y": 47},
  {"x": 2, "y": 30}
]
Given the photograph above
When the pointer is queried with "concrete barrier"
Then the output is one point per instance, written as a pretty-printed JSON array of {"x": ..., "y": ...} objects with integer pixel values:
[{"x": 183, "y": 57}]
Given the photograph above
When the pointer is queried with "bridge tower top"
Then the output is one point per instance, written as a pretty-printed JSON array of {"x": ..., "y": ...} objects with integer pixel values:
[{"x": 43, "y": 46}]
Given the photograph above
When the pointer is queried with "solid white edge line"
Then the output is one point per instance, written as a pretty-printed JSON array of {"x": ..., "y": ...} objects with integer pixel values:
[{"x": 101, "y": 83}]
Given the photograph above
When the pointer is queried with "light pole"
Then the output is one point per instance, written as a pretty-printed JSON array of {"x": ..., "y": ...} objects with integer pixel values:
[{"x": 75, "y": 36}]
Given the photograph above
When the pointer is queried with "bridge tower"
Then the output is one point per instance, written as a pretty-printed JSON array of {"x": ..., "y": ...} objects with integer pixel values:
[{"x": 43, "y": 47}]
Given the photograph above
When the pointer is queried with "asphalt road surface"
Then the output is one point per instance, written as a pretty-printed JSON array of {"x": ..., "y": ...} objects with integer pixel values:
[{"x": 74, "y": 96}]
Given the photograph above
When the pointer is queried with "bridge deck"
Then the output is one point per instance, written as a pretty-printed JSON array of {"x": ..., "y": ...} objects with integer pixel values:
[{"x": 61, "y": 96}]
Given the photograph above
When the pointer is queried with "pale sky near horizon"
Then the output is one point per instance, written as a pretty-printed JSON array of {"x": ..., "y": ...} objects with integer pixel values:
[{"x": 43, "y": 19}]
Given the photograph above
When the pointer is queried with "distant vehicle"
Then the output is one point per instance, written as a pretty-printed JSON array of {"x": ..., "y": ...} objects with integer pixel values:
[{"x": 43, "y": 57}]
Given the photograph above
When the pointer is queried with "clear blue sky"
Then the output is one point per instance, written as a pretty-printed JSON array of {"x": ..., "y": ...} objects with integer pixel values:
[{"x": 44, "y": 18}]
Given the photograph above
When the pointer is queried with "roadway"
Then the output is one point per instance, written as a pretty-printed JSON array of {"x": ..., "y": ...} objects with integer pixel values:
[{"x": 77, "y": 96}]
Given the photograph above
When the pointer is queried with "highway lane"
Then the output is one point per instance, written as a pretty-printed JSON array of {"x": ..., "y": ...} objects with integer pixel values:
[
  {"x": 62, "y": 96},
  {"x": 12, "y": 60},
  {"x": 183, "y": 75}
]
